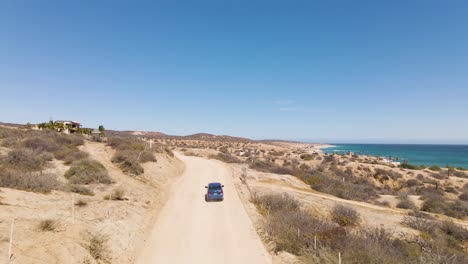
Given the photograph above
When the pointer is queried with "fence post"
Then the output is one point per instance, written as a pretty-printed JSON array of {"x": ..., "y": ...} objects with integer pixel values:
[
  {"x": 10, "y": 254},
  {"x": 315, "y": 245},
  {"x": 339, "y": 257}
]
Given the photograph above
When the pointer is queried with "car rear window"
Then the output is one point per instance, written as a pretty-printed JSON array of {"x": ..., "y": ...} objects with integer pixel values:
[{"x": 215, "y": 188}]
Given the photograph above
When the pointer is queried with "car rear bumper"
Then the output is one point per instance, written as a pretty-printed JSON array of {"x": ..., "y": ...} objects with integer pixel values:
[{"x": 215, "y": 197}]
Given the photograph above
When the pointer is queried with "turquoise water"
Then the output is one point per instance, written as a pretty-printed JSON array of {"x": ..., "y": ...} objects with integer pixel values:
[{"x": 441, "y": 155}]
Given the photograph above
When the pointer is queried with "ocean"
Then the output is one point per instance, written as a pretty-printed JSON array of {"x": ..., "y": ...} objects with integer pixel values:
[{"x": 441, "y": 155}]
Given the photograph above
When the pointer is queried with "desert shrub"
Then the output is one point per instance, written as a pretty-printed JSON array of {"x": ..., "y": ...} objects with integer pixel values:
[
  {"x": 83, "y": 190},
  {"x": 146, "y": 156},
  {"x": 344, "y": 216},
  {"x": 405, "y": 203},
  {"x": 450, "y": 189},
  {"x": 121, "y": 143},
  {"x": 8, "y": 132},
  {"x": 87, "y": 171},
  {"x": 457, "y": 209},
  {"x": 10, "y": 142},
  {"x": 329, "y": 158},
  {"x": 271, "y": 167},
  {"x": 96, "y": 244},
  {"x": 40, "y": 144},
  {"x": 435, "y": 168},
  {"x": 420, "y": 224},
  {"x": 389, "y": 174},
  {"x": 28, "y": 181},
  {"x": 169, "y": 152},
  {"x": 48, "y": 225},
  {"x": 354, "y": 188},
  {"x": 420, "y": 214},
  {"x": 116, "y": 195},
  {"x": 26, "y": 159},
  {"x": 277, "y": 153},
  {"x": 131, "y": 152},
  {"x": 440, "y": 176},
  {"x": 228, "y": 158},
  {"x": 132, "y": 167},
  {"x": 124, "y": 155},
  {"x": 81, "y": 203},
  {"x": 463, "y": 196},
  {"x": 412, "y": 183},
  {"x": 436, "y": 204},
  {"x": 411, "y": 166},
  {"x": 306, "y": 156},
  {"x": 457, "y": 231},
  {"x": 460, "y": 174},
  {"x": 293, "y": 231},
  {"x": 69, "y": 154},
  {"x": 275, "y": 202}
]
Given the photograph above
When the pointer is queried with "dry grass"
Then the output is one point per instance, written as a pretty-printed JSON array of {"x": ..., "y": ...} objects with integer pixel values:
[
  {"x": 96, "y": 244},
  {"x": 83, "y": 190},
  {"x": 48, "y": 225},
  {"x": 116, "y": 195}
]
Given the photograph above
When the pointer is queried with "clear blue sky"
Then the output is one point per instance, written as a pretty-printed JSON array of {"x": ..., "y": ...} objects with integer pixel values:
[{"x": 332, "y": 71}]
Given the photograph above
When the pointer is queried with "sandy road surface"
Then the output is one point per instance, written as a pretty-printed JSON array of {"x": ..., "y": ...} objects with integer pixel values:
[{"x": 190, "y": 230}]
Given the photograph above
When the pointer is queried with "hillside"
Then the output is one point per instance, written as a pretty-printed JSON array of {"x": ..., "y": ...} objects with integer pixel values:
[{"x": 72, "y": 200}]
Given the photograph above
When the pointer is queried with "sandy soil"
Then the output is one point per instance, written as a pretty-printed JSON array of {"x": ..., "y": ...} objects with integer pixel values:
[
  {"x": 190, "y": 230},
  {"x": 125, "y": 223}
]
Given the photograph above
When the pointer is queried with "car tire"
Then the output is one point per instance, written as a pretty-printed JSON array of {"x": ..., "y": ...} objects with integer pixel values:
[{"x": 206, "y": 199}]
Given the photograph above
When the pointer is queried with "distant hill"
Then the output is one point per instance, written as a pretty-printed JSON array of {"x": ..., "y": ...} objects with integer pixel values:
[
  {"x": 10, "y": 124},
  {"x": 160, "y": 135}
]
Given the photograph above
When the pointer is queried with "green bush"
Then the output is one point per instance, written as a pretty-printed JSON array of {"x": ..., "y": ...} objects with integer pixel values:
[
  {"x": 411, "y": 166},
  {"x": 307, "y": 156},
  {"x": 87, "y": 171},
  {"x": 435, "y": 168}
]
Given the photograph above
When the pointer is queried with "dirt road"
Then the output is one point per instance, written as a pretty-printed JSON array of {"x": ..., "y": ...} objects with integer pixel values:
[{"x": 190, "y": 230}]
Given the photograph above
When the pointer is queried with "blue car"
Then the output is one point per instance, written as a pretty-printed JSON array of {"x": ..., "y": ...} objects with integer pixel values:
[{"x": 214, "y": 192}]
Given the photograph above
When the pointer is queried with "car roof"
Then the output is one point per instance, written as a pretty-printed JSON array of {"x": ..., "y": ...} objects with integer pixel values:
[{"x": 214, "y": 184}]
